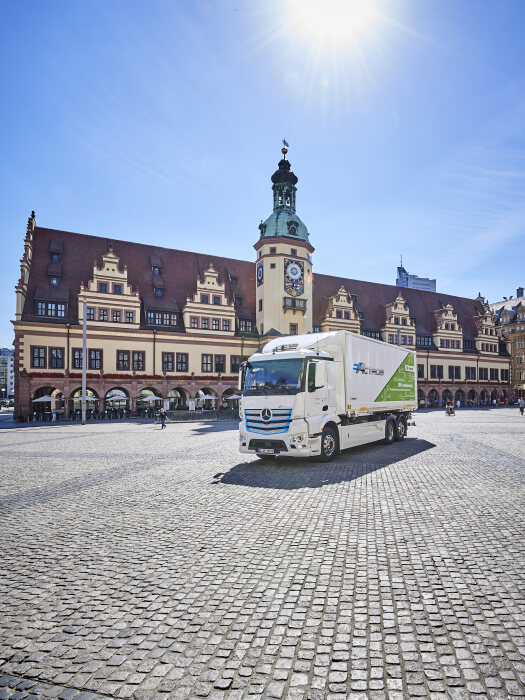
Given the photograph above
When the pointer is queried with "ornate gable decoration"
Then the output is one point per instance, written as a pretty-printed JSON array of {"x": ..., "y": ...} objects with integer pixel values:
[
  {"x": 399, "y": 327},
  {"x": 341, "y": 312},
  {"x": 208, "y": 309},
  {"x": 448, "y": 334},
  {"x": 110, "y": 291},
  {"x": 447, "y": 318},
  {"x": 109, "y": 274},
  {"x": 486, "y": 340}
]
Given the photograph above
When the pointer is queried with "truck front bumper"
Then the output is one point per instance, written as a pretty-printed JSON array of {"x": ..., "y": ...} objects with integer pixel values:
[{"x": 291, "y": 444}]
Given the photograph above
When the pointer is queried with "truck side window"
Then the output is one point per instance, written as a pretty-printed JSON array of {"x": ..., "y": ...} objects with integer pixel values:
[{"x": 311, "y": 376}]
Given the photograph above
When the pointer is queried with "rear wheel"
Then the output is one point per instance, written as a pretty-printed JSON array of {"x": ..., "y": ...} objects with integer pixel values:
[
  {"x": 329, "y": 444},
  {"x": 390, "y": 432},
  {"x": 401, "y": 428}
]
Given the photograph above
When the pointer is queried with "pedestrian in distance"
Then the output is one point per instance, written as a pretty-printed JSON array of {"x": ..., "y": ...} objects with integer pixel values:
[
  {"x": 53, "y": 416},
  {"x": 162, "y": 418},
  {"x": 521, "y": 404}
]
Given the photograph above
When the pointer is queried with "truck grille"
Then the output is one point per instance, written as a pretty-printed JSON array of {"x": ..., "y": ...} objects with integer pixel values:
[{"x": 277, "y": 422}]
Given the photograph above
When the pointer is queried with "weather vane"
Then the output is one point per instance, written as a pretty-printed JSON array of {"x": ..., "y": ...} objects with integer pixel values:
[{"x": 285, "y": 148}]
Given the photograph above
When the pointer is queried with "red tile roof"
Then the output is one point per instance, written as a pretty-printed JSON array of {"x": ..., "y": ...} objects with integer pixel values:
[{"x": 180, "y": 270}]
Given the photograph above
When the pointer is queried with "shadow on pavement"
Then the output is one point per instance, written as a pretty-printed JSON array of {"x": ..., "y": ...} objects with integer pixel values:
[
  {"x": 216, "y": 426},
  {"x": 351, "y": 464}
]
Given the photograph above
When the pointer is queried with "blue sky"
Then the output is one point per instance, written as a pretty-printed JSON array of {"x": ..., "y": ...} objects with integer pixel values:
[{"x": 161, "y": 122}]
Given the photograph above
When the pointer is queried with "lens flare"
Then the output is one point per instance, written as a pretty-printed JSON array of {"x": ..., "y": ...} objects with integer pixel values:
[{"x": 332, "y": 21}]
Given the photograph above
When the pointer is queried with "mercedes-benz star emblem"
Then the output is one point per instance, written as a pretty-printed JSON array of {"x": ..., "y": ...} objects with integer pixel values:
[{"x": 266, "y": 414}]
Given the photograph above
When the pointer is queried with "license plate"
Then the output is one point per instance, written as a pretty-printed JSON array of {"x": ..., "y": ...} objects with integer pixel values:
[{"x": 265, "y": 451}]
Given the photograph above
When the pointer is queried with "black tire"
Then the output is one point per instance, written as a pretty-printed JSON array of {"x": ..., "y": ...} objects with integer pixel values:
[
  {"x": 401, "y": 428},
  {"x": 329, "y": 444},
  {"x": 390, "y": 432}
]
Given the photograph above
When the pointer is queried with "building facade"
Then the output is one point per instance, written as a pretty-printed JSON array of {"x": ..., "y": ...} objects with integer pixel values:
[
  {"x": 174, "y": 326},
  {"x": 510, "y": 319},
  {"x": 7, "y": 374}
]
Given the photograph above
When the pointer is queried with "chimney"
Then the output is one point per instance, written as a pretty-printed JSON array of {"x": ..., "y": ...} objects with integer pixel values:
[{"x": 519, "y": 291}]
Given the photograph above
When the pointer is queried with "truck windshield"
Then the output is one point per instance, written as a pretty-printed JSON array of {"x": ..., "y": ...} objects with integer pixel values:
[{"x": 274, "y": 376}]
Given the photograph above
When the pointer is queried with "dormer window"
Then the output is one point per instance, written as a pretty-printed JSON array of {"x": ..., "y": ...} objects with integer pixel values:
[
  {"x": 204, "y": 299},
  {"x": 54, "y": 281},
  {"x": 103, "y": 287},
  {"x": 237, "y": 301},
  {"x": 233, "y": 281},
  {"x": 159, "y": 292},
  {"x": 217, "y": 300},
  {"x": 156, "y": 270},
  {"x": 55, "y": 257},
  {"x": 117, "y": 289}
]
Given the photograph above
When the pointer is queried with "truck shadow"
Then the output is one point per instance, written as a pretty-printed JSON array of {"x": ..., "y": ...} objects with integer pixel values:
[{"x": 351, "y": 464}]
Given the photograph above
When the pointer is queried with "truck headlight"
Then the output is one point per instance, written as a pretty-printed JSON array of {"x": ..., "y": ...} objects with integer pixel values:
[{"x": 298, "y": 439}]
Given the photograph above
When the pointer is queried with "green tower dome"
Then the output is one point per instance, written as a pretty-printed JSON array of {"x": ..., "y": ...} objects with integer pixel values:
[{"x": 283, "y": 221}]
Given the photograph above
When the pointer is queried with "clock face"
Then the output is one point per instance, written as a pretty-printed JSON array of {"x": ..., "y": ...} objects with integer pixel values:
[
  {"x": 260, "y": 273},
  {"x": 293, "y": 277}
]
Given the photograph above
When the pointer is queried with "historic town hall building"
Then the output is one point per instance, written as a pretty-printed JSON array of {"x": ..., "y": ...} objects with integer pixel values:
[{"x": 175, "y": 325}]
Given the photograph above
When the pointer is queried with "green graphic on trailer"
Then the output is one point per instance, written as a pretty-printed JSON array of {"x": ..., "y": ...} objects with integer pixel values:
[{"x": 402, "y": 384}]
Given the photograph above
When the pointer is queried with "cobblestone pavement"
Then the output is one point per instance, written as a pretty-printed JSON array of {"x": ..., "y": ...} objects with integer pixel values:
[{"x": 140, "y": 563}]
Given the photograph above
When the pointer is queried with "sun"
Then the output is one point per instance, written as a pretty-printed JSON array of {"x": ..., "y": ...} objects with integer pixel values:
[{"x": 332, "y": 21}]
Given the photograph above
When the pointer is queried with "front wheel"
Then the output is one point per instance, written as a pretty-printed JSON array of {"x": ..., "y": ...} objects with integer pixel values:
[{"x": 328, "y": 444}]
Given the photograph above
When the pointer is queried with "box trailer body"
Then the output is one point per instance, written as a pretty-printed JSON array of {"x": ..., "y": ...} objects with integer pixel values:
[{"x": 318, "y": 393}]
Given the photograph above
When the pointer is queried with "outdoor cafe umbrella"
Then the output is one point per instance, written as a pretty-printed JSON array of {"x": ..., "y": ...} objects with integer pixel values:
[
  {"x": 47, "y": 398},
  {"x": 229, "y": 398},
  {"x": 116, "y": 398},
  {"x": 88, "y": 398}
]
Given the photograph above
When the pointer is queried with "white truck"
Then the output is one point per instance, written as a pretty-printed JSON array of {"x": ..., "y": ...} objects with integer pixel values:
[{"x": 320, "y": 393}]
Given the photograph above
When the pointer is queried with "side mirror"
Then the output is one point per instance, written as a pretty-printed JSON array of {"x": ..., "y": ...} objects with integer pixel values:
[{"x": 240, "y": 381}]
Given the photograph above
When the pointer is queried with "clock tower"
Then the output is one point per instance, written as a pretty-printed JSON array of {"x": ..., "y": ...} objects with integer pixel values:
[{"x": 284, "y": 262}]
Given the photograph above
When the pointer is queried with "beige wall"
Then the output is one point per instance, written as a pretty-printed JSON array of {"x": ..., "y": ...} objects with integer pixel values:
[{"x": 272, "y": 291}]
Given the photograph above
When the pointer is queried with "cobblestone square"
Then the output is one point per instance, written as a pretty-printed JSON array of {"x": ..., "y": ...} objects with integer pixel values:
[{"x": 140, "y": 563}]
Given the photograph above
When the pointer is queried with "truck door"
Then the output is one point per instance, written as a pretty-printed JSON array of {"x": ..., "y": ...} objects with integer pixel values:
[{"x": 316, "y": 395}]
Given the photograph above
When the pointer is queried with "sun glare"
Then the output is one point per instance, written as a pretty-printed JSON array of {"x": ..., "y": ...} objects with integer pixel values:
[{"x": 332, "y": 21}]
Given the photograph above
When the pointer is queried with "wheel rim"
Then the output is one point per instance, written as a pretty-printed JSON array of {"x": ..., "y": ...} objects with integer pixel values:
[
  {"x": 390, "y": 431},
  {"x": 401, "y": 429},
  {"x": 328, "y": 444}
]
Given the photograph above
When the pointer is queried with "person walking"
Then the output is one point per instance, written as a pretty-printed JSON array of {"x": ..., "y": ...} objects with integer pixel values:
[
  {"x": 521, "y": 404},
  {"x": 53, "y": 416},
  {"x": 162, "y": 418}
]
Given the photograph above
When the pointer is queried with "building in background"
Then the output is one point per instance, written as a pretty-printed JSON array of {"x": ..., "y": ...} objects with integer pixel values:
[
  {"x": 413, "y": 281},
  {"x": 510, "y": 319},
  {"x": 172, "y": 326},
  {"x": 7, "y": 375}
]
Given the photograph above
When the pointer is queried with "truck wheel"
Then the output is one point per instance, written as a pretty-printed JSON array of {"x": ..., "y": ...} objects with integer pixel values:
[
  {"x": 329, "y": 444},
  {"x": 401, "y": 428},
  {"x": 390, "y": 432}
]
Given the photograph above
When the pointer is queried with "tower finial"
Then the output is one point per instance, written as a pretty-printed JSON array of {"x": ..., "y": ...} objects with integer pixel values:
[
  {"x": 401, "y": 259},
  {"x": 285, "y": 148}
]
